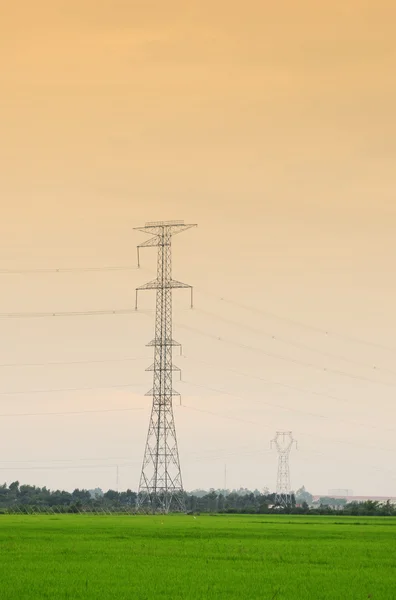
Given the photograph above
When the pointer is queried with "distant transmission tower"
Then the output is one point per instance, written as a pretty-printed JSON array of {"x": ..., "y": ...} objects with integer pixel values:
[
  {"x": 161, "y": 487},
  {"x": 283, "y": 443}
]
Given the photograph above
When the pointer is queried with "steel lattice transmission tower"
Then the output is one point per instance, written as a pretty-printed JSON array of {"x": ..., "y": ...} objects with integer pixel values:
[
  {"x": 161, "y": 487},
  {"x": 283, "y": 443}
]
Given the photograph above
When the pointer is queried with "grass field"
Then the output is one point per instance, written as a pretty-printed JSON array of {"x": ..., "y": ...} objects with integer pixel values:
[{"x": 179, "y": 557}]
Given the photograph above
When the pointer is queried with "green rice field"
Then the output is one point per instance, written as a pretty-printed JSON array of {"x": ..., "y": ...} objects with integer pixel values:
[{"x": 182, "y": 557}]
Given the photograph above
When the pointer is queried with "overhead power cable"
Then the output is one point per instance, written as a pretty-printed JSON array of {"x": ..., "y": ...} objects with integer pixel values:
[
  {"x": 73, "y": 362},
  {"x": 72, "y": 412},
  {"x": 67, "y": 467},
  {"x": 229, "y": 301},
  {"x": 64, "y": 460},
  {"x": 73, "y": 313},
  {"x": 212, "y": 452},
  {"x": 79, "y": 313},
  {"x": 313, "y": 328},
  {"x": 66, "y": 270},
  {"x": 284, "y": 358},
  {"x": 294, "y": 344},
  {"x": 193, "y": 458},
  {"x": 267, "y": 381},
  {"x": 104, "y": 458},
  {"x": 71, "y": 389},
  {"x": 206, "y": 334},
  {"x": 345, "y": 458},
  {"x": 272, "y": 382},
  {"x": 289, "y": 409}
]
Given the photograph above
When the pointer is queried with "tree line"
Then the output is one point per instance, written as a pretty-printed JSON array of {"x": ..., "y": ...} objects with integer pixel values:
[{"x": 29, "y": 498}]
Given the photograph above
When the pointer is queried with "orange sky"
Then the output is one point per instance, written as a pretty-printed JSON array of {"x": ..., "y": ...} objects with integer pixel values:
[{"x": 273, "y": 127}]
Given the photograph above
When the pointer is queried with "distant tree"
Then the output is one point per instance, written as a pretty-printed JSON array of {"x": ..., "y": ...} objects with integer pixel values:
[
  {"x": 370, "y": 507},
  {"x": 96, "y": 493},
  {"x": 82, "y": 496},
  {"x": 332, "y": 502},
  {"x": 263, "y": 507},
  {"x": 31, "y": 499},
  {"x": 14, "y": 487},
  {"x": 199, "y": 493},
  {"x": 303, "y": 496},
  {"x": 111, "y": 495},
  {"x": 387, "y": 509},
  {"x": 212, "y": 501},
  {"x": 128, "y": 498},
  {"x": 60, "y": 498}
]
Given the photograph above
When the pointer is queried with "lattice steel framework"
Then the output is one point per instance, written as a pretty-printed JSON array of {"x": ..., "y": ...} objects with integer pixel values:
[
  {"x": 283, "y": 443},
  {"x": 161, "y": 486}
]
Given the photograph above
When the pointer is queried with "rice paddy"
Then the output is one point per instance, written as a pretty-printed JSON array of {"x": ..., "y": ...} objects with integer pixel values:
[{"x": 182, "y": 557}]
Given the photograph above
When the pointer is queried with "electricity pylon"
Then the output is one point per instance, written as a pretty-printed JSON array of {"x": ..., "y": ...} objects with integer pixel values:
[
  {"x": 161, "y": 487},
  {"x": 283, "y": 443}
]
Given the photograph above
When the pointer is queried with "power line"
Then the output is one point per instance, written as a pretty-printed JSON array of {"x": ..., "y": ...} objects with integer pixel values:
[
  {"x": 269, "y": 382},
  {"x": 22, "y": 392},
  {"x": 293, "y": 344},
  {"x": 21, "y": 315},
  {"x": 373, "y": 467},
  {"x": 214, "y": 454},
  {"x": 292, "y": 387},
  {"x": 196, "y": 459},
  {"x": 245, "y": 307},
  {"x": 222, "y": 416},
  {"x": 65, "y": 467},
  {"x": 66, "y": 270},
  {"x": 261, "y": 402},
  {"x": 298, "y": 411},
  {"x": 74, "y": 389},
  {"x": 285, "y": 358},
  {"x": 83, "y": 313},
  {"x": 233, "y": 418},
  {"x": 78, "y": 313},
  {"x": 73, "y": 412},
  {"x": 131, "y": 311},
  {"x": 65, "y": 460},
  {"x": 193, "y": 329},
  {"x": 127, "y": 359},
  {"x": 73, "y": 362},
  {"x": 209, "y": 388},
  {"x": 313, "y": 328}
]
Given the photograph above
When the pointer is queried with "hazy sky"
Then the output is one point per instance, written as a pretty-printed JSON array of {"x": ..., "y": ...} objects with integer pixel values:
[{"x": 274, "y": 128}]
